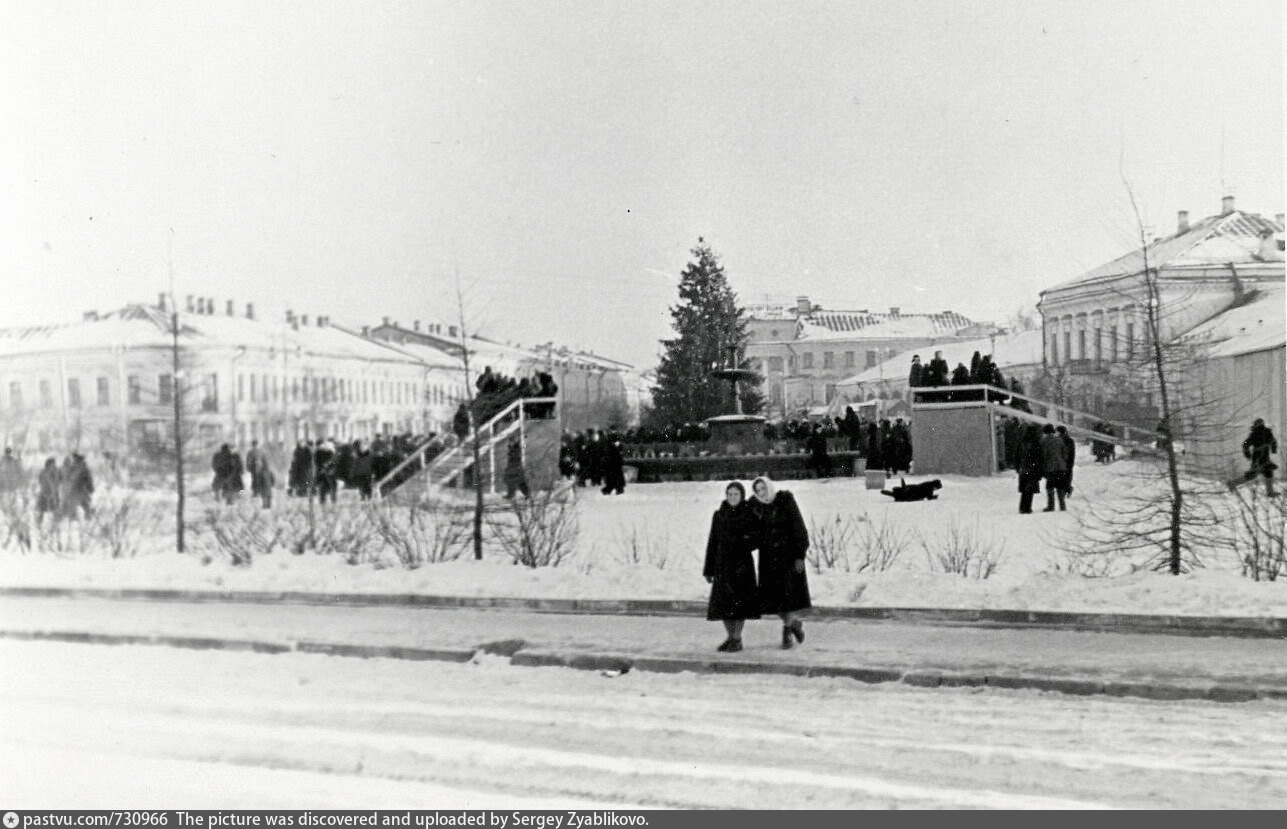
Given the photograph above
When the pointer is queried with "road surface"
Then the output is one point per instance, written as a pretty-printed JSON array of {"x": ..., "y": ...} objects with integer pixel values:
[{"x": 90, "y": 726}]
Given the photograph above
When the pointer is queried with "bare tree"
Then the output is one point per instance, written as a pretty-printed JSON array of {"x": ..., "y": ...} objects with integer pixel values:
[{"x": 473, "y": 424}]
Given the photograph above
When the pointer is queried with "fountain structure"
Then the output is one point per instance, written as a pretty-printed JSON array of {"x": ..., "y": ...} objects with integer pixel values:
[{"x": 736, "y": 433}]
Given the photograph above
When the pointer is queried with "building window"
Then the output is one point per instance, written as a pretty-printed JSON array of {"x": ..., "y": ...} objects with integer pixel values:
[
  {"x": 1130, "y": 341},
  {"x": 1112, "y": 344},
  {"x": 807, "y": 360},
  {"x": 241, "y": 388},
  {"x": 828, "y": 359},
  {"x": 775, "y": 364},
  {"x": 1099, "y": 348},
  {"x": 1067, "y": 346},
  {"x": 135, "y": 389},
  {"x": 15, "y": 395},
  {"x": 210, "y": 393},
  {"x": 73, "y": 393},
  {"x": 873, "y": 357},
  {"x": 104, "y": 395},
  {"x": 46, "y": 395},
  {"x": 1054, "y": 349},
  {"x": 849, "y": 360},
  {"x": 165, "y": 388},
  {"x": 1081, "y": 343}
]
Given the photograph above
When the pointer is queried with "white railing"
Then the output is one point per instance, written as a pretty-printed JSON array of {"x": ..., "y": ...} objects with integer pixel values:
[
  {"x": 487, "y": 431},
  {"x": 1054, "y": 412}
]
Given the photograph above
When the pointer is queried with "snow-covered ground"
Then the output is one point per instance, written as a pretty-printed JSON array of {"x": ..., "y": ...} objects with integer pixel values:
[
  {"x": 649, "y": 543},
  {"x": 92, "y": 727}
]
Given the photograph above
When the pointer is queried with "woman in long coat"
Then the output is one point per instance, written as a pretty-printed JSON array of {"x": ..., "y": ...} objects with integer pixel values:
[
  {"x": 784, "y": 587},
  {"x": 730, "y": 569}
]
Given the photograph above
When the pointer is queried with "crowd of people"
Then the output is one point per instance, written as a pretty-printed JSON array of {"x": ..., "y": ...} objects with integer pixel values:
[
  {"x": 1044, "y": 452},
  {"x": 594, "y": 457},
  {"x": 982, "y": 371},
  {"x": 65, "y": 491},
  {"x": 497, "y": 391}
]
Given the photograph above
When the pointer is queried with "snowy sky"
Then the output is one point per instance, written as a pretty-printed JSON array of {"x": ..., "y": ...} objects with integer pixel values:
[{"x": 344, "y": 158}]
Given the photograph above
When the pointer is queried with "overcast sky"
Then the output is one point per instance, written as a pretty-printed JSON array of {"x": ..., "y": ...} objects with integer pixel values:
[{"x": 344, "y": 158}]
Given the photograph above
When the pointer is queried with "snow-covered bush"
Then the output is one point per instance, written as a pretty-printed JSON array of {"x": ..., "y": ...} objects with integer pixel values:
[
  {"x": 421, "y": 533},
  {"x": 636, "y": 545},
  {"x": 122, "y": 523},
  {"x": 963, "y": 550},
  {"x": 1258, "y": 535},
  {"x": 241, "y": 532},
  {"x": 540, "y": 531}
]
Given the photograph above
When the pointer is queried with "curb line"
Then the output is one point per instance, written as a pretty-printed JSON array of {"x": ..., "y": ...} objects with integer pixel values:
[
  {"x": 521, "y": 656},
  {"x": 1237, "y": 626}
]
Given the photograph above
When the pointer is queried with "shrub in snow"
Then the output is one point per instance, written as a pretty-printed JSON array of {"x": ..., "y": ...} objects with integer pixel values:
[
  {"x": 16, "y": 520},
  {"x": 855, "y": 544},
  {"x": 241, "y": 533},
  {"x": 635, "y": 545},
  {"x": 422, "y": 533},
  {"x": 122, "y": 523},
  {"x": 1258, "y": 534},
  {"x": 963, "y": 550},
  {"x": 540, "y": 531}
]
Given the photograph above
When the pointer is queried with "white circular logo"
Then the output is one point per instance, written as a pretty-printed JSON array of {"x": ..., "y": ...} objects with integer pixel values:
[{"x": 10, "y": 820}]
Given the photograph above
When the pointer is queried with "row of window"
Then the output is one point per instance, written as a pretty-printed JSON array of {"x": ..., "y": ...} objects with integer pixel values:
[
  {"x": 263, "y": 388},
  {"x": 806, "y": 361},
  {"x": 1116, "y": 348}
]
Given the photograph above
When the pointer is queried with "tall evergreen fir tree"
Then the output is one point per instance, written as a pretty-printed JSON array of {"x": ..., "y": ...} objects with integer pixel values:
[{"x": 707, "y": 321}]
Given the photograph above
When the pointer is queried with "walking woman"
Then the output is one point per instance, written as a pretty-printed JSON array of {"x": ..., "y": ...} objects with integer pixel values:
[
  {"x": 784, "y": 587},
  {"x": 729, "y": 569}
]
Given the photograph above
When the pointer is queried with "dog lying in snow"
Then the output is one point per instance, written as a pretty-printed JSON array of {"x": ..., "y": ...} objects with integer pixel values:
[{"x": 923, "y": 491}]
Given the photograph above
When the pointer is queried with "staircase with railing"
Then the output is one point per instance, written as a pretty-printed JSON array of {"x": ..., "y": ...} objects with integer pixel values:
[
  {"x": 427, "y": 468},
  {"x": 1001, "y": 402}
]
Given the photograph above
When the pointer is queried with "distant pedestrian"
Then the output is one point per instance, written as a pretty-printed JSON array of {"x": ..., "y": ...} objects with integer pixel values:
[
  {"x": 730, "y": 568},
  {"x": 1028, "y": 464},
  {"x": 227, "y": 468},
  {"x": 613, "y": 465},
  {"x": 783, "y": 542},
  {"x": 262, "y": 480},
  {"x": 819, "y": 459},
  {"x": 49, "y": 487},
  {"x": 1054, "y": 466},
  {"x": 515, "y": 476},
  {"x": 1258, "y": 446},
  {"x": 1070, "y": 457}
]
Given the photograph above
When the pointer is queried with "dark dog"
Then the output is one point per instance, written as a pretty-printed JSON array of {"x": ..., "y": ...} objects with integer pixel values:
[{"x": 923, "y": 491}]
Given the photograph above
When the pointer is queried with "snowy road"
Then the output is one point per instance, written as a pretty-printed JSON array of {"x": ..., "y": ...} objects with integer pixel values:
[{"x": 114, "y": 727}]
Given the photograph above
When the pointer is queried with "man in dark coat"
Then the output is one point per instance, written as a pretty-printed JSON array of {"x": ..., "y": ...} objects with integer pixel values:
[
  {"x": 612, "y": 464},
  {"x": 227, "y": 468},
  {"x": 1028, "y": 463},
  {"x": 937, "y": 375},
  {"x": 783, "y": 542},
  {"x": 875, "y": 447},
  {"x": 1054, "y": 466},
  {"x": 1070, "y": 457},
  {"x": 460, "y": 423},
  {"x": 819, "y": 460},
  {"x": 49, "y": 489},
  {"x": 298, "y": 477},
  {"x": 10, "y": 472},
  {"x": 899, "y": 453},
  {"x": 914, "y": 373},
  {"x": 515, "y": 476},
  {"x": 729, "y": 568},
  {"x": 324, "y": 458},
  {"x": 1257, "y": 448},
  {"x": 852, "y": 428}
]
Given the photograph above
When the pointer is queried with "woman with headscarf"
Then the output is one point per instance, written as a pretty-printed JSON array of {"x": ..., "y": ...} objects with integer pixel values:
[
  {"x": 784, "y": 587},
  {"x": 730, "y": 569}
]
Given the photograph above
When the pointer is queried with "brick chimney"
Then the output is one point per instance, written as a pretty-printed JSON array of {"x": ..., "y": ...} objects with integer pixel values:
[
  {"x": 189, "y": 304},
  {"x": 802, "y": 306},
  {"x": 250, "y": 310},
  {"x": 232, "y": 308},
  {"x": 1182, "y": 222},
  {"x": 893, "y": 310},
  {"x": 366, "y": 331},
  {"x": 1226, "y": 205},
  {"x": 387, "y": 321},
  {"x": 451, "y": 330},
  {"x": 415, "y": 326}
]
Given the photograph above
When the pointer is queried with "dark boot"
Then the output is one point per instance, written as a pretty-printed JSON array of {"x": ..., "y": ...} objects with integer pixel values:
[
  {"x": 787, "y": 641},
  {"x": 797, "y": 630}
]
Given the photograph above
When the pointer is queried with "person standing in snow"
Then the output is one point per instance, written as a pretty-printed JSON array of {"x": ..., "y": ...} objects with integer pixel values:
[
  {"x": 730, "y": 568},
  {"x": 783, "y": 542}
]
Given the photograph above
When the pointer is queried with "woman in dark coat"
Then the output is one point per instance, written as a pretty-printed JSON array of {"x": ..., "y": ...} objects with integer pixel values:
[
  {"x": 730, "y": 569},
  {"x": 1028, "y": 463},
  {"x": 784, "y": 587}
]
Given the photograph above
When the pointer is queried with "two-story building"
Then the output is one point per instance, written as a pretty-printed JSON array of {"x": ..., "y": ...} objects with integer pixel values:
[
  {"x": 804, "y": 350},
  {"x": 1096, "y": 328}
]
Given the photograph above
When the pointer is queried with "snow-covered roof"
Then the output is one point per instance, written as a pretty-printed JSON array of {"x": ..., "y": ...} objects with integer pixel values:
[
  {"x": 1234, "y": 237},
  {"x": 869, "y": 326},
  {"x": 1019, "y": 349},
  {"x": 146, "y": 326},
  {"x": 1257, "y": 324}
]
